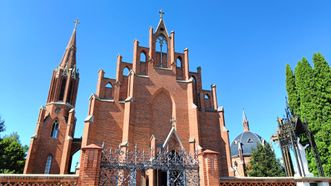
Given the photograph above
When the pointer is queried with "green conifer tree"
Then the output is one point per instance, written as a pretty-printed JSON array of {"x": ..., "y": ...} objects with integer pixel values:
[
  {"x": 313, "y": 92},
  {"x": 321, "y": 121},
  {"x": 293, "y": 98},
  {"x": 264, "y": 163},
  {"x": 304, "y": 84}
]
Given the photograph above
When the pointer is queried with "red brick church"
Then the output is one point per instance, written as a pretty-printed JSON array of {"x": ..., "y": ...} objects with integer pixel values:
[
  {"x": 152, "y": 124},
  {"x": 155, "y": 103}
]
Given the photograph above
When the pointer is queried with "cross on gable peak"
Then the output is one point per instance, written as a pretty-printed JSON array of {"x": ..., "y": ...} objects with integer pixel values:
[{"x": 161, "y": 12}]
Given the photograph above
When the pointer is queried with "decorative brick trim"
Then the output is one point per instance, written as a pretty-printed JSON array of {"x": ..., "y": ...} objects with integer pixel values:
[{"x": 38, "y": 179}]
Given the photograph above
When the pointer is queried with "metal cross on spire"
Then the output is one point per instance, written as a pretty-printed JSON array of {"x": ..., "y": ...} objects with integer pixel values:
[
  {"x": 161, "y": 12},
  {"x": 76, "y": 22}
]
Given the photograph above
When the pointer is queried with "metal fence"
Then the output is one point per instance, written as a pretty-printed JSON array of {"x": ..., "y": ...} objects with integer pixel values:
[{"x": 120, "y": 167}]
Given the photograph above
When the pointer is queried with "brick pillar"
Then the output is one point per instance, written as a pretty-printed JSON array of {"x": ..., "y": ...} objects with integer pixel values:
[
  {"x": 90, "y": 165},
  {"x": 208, "y": 168},
  {"x": 150, "y": 172}
]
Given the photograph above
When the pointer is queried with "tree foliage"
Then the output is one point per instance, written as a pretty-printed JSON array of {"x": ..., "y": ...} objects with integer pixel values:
[
  {"x": 264, "y": 163},
  {"x": 292, "y": 90},
  {"x": 12, "y": 153},
  {"x": 309, "y": 95}
]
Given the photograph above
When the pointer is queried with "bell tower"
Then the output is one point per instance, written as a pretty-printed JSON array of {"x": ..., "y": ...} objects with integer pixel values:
[{"x": 53, "y": 144}]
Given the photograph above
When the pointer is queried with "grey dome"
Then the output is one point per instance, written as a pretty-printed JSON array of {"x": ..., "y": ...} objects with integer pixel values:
[{"x": 249, "y": 141}]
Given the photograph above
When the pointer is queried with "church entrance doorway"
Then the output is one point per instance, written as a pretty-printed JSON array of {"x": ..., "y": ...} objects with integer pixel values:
[{"x": 161, "y": 178}]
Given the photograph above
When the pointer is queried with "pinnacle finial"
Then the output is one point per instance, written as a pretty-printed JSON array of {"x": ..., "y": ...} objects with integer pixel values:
[
  {"x": 76, "y": 22},
  {"x": 161, "y": 12}
]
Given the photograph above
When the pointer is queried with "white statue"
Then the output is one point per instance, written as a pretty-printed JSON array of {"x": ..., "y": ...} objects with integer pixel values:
[{"x": 302, "y": 155}]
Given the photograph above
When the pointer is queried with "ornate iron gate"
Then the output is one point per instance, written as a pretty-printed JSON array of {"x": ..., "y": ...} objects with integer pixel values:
[{"x": 121, "y": 167}]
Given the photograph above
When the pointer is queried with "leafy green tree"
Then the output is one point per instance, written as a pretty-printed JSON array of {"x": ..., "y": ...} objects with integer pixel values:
[
  {"x": 12, "y": 153},
  {"x": 264, "y": 163},
  {"x": 313, "y": 96}
]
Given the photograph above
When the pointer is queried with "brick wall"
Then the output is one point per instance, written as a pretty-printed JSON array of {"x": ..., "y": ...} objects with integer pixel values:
[
  {"x": 90, "y": 165},
  {"x": 42, "y": 144}
]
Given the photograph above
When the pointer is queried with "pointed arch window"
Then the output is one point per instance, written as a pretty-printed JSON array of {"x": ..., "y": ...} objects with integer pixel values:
[
  {"x": 125, "y": 71},
  {"x": 63, "y": 86},
  {"x": 195, "y": 91},
  {"x": 179, "y": 62},
  {"x": 143, "y": 58},
  {"x": 208, "y": 104},
  {"x": 179, "y": 69},
  {"x": 109, "y": 91},
  {"x": 48, "y": 164},
  {"x": 162, "y": 48},
  {"x": 69, "y": 93},
  {"x": 55, "y": 129},
  {"x": 109, "y": 85}
]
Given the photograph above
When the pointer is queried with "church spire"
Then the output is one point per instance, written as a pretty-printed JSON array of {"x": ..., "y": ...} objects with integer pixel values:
[
  {"x": 69, "y": 57},
  {"x": 64, "y": 84},
  {"x": 245, "y": 122}
]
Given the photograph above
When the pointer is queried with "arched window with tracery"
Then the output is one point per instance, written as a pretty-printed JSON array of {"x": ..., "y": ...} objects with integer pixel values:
[
  {"x": 55, "y": 129},
  {"x": 48, "y": 164},
  {"x": 162, "y": 51}
]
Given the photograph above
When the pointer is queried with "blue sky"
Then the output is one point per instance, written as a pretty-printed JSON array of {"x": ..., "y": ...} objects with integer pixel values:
[{"x": 242, "y": 47}]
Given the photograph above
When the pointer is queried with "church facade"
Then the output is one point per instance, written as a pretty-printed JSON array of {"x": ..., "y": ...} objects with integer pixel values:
[{"x": 155, "y": 102}]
